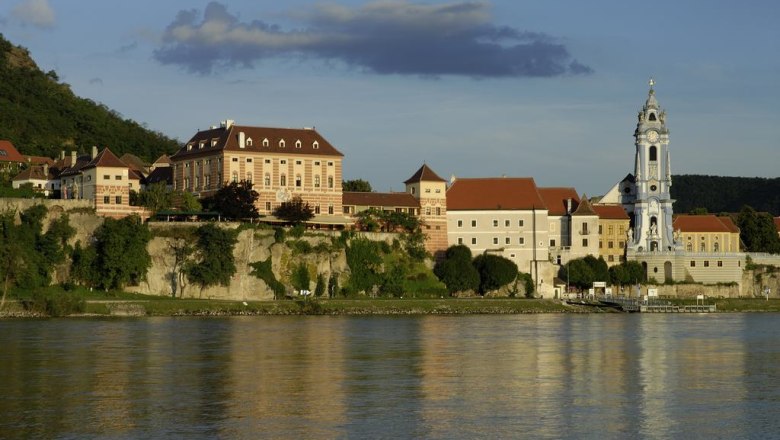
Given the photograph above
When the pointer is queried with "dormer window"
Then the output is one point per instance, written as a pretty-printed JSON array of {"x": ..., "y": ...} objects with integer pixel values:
[
  {"x": 265, "y": 142},
  {"x": 281, "y": 143},
  {"x": 298, "y": 144},
  {"x": 201, "y": 144},
  {"x": 214, "y": 142},
  {"x": 316, "y": 145},
  {"x": 249, "y": 142},
  {"x": 189, "y": 146}
]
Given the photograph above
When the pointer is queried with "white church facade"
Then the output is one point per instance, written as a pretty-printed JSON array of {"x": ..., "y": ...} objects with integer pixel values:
[{"x": 646, "y": 197}]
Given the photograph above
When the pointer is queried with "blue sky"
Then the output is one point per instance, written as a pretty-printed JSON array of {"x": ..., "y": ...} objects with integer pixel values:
[{"x": 546, "y": 88}]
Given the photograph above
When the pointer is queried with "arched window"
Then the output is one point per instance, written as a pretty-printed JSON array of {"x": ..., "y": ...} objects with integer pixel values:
[
  {"x": 701, "y": 247},
  {"x": 653, "y": 153},
  {"x": 267, "y": 180},
  {"x": 330, "y": 181},
  {"x": 298, "y": 181},
  {"x": 281, "y": 143},
  {"x": 235, "y": 177},
  {"x": 652, "y": 117},
  {"x": 716, "y": 247},
  {"x": 249, "y": 142},
  {"x": 316, "y": 181},
  {"x": 283, "y": 180},
  {"x": 249, "y": 177},
  {"x": 298, "y": 144},
  {"x": 265, "y": 142},
  {"x": 316, "y": 145},
  {"x": 689, "y": 248}
]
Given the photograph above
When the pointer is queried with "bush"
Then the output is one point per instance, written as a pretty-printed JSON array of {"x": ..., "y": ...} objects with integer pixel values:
[
  {"x": 494, "y": 272},
  {"x": 456, "y": 270},
  {"x": 297, "y": 231},
  {"x": 262, "y": 270},
  {"x": 300, "y": 277},
  {"x": 320, "y": 289},
  {"x": 55, "y": 303}
]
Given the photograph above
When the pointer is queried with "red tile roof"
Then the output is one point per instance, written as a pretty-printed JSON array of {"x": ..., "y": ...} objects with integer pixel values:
[
  {"x": 38, "y": 160},
  {"x": 424, "y": 174},
  {"x": 9, "y": 153},
  {"x": 162, "y": 160},
  {"x": 384, "y": 200},
  {"x": 703, "y": 223},
  {"x": 133, "y": 162},
  {"x": 34, "y": 172},
  {"x": 611, "y": 212},
  {"x": 556, "y": 199},
  {"x": 227, "y": 139},
  {"x": 106, "y": 159},
  {"x": 495, "y": 193}
]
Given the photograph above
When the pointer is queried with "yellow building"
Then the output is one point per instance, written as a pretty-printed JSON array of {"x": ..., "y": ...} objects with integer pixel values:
[
  {"x": 707, "y": 233},
  {"x": 282, "y": 163},
  {"x": 613, "y": 227}
]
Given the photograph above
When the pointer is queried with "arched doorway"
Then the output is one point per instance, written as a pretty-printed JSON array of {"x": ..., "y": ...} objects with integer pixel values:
[
  {"x": 644, "y": 270},
  {"x": 668, "y": 271}
]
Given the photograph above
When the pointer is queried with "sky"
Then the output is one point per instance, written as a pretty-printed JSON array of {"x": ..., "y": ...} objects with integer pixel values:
[{"x": 548, "y": 89}]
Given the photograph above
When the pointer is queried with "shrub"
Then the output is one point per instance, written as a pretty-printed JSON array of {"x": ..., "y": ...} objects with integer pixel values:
[
  {"x": 494, "y": 272},
  {"x": 55, "y": 303},
  {"x": 300, "y": 277},
  {"x": 320, "y": 289},
  {"x": 456, "y": 270}
]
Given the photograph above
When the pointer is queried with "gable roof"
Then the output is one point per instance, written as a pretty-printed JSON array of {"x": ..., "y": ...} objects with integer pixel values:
[
  {"x": 133, "y": 162},
  {"x": 162, "y": 160},
  {"x": 35, "y": 172},
  {"x": 611, "y": 212},
  {"x": 400, "y": 199},
  {"x": 9, "y": 153},
  {"x": 227, "y": 139},
  {"x": 585, "y": 208},
  {"x": 704, "y": 223},
  {"x": 494, "y": 193},
  {"x": 424, "y": 174},
  {"x": 75, "y": 168},
  {"x": 105, "y": 159},
  {"x": 38, "y": 160},
  {"x": 556, "y": 200}
]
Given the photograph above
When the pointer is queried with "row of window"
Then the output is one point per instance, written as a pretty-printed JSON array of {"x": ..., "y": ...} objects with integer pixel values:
[
  {"x": 107, "y": 200},
  {"x": 611, "y": 244},
  {"x": 707, "y": 263},
  {"x": 507, "y": 223},
  {"x": 249, "y": 142},
  {"x": 611, "y": 229},
  {"x": 496, "y": 240},
  {"x": 703, "y": 247}
]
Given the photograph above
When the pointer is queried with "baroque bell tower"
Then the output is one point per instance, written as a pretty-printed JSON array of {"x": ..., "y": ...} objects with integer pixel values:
[{"x": 652, "y": 217}]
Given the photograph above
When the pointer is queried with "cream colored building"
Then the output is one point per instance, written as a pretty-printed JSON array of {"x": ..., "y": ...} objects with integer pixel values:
[
  {"x": 613, "y": 232},
  {"x": 504, "y": 216},
  {"x": 281, "y": 163},
  {"x": 707, "y": 233}
]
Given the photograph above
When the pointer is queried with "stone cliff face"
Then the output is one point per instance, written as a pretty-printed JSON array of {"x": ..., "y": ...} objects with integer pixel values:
[{"x": 252, "y": 246}]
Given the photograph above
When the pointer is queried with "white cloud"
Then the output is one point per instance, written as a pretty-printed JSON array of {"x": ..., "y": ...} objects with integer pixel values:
[{"x": 38, "y": 13}]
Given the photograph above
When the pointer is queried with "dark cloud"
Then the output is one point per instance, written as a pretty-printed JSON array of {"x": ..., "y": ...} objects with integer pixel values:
[{"x": 386, "y": 37}]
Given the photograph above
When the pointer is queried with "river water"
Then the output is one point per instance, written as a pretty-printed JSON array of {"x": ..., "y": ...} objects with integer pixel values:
[{"x": 521, "y": 376}]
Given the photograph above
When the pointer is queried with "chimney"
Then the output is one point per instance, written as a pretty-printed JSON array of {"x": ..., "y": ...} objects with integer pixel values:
[
  {"x": 568, "y": 205},
  {"x": 73, "y": 158},
  {"x": 94, "y": 151},
  {"x": 241, "y": 139},
  {"x": 62, "y": 154},
  {"x": 45, "y": 169}
]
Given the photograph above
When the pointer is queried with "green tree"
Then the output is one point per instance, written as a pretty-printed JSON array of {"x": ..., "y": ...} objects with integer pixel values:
[
  {"x": 11, "y": 252},
  {"x": 393, "y": 280},
  {"x": 235, "y": 201},
  {"x": 319, "y": 290},
  {"x": 294, "y": 211},
  {"x": 627, "y": 273},
  {"x": 215, "y": 263},
  {"x": 364, "y": 258},
  {"x": 82, "y": 268},
  {"x": 356, "y": 185},
  {"x": 456, "y": 270},
  {"x": 301, "y": 278},
  {"x": 494, "y": 271},
  {"x": 122, "y": 257},
  {"x": 758, "y": 231},
  {"x": 156, "y": 197}
]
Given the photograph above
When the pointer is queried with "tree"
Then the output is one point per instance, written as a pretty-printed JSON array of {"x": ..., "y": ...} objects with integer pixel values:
[
  {"x": 181, "y": 249},
  {"x": 235, "y": 201},
  {"x": 494, "y": 271},
  {"x": 582, "y": 272},
  {"x": 627, "y": 273},
  {"x": 156, "y": 197},
  {"x": 301, "y": 278},
  {"x": 393, "y": 281},
  {"x": 758, "y": 231},
  {"x": 294, "y": 211},
  {"x": 319, "y": 290},
  {"x": 122, "y": 256},
  {"x": 215, "y": 262},
  {"x": 11, "y": 252},
  {"x": 456, "y": 270},
  {"x": 356, "y": 185}
]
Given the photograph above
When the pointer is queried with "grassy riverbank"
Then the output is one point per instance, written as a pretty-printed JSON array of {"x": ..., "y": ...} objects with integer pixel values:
[{"x": 94, "y": 303}]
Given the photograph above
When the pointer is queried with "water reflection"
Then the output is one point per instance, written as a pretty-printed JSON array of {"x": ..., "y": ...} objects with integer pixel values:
[{"x": 541, "y": 376}]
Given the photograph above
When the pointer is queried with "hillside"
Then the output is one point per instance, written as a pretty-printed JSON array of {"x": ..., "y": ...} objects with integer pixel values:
[
  {"x": 725, "y": 194},
  {"x": 42, "y": 116}
]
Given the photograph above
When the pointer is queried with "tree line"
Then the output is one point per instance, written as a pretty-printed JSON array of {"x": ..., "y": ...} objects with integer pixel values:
[{"x": 725, "y": 194}]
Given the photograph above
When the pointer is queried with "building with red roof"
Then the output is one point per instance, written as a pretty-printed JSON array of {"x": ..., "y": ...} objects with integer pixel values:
[
  {"x": 282, "y": 163},
  {"x": 10, "y": 159},
  {"x": 613, "y": 232},
  {"x": 707, "y": 233}
]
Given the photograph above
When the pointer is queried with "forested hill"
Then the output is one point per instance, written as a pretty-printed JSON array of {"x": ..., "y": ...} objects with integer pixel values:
[
  {"x": 41, "y": 116},
  {"x": 725, "y": 194}
]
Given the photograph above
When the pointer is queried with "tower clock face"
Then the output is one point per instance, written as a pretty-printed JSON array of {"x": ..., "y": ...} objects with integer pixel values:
[{"x": 652, "y": 135}]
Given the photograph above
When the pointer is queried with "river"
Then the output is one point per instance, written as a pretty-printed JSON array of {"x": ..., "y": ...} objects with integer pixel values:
[{"x": 444, "y": 377}]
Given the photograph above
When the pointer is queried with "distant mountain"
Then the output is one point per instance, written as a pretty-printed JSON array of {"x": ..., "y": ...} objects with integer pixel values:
[
  {"x": 725, "y": 194},
  {"x": 42, "y": 116}
]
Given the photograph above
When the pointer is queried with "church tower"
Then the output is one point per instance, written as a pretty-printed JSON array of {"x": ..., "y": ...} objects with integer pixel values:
[{"x": 652, "y": 214}]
